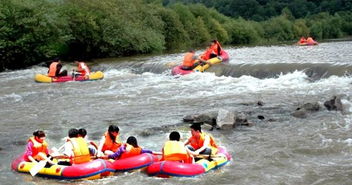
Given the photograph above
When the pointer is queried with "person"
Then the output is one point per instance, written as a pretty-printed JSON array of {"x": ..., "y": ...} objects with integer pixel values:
[
  {"x": 201, "y": 142},
  {"x": 213, "y": 51},
  {"x": 93, "y": 147},
  {"x": 129, "y": 149},
  {"x": 302, "y": 40},
  {"x": 37, "y": 148},
  {"x": 310, "y": 40},
  {"x": 76, "y": 148},
  {"x": 175, "y": 150},
  {"x": 55, "y": 68},
  {"x": 82, "y": 69},
  {"x": 110, "y": 142},
  {"x": 189, "y": 60}
]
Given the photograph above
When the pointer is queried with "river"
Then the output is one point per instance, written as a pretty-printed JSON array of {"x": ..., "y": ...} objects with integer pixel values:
[{"x": 140, "y": 96}]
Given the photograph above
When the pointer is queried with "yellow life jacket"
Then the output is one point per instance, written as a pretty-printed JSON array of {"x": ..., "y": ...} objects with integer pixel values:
[
  {"x": 80, "y": 151},
  {"x": 175, "y": 151}
]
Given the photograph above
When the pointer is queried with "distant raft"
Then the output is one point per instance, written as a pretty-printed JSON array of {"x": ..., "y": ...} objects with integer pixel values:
[
  {"x": 46, "y": 79},
  {"x": 94, "y": 169},
  {"x": 201, "y": 68},
  {"x": 168, "y": 169}
]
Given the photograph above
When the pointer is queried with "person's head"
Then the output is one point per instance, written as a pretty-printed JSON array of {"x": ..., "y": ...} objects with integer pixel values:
[
  {"x": 39, "y": 135},
  {"x": 57, "y": 59},
  {"x": 174, "y": 136},
  {"x": 191, "y": 51},
  {"x": 132, "y": 141},
  {"x": 113, "y": 131},
  {"x": 82, "y": 132},
  {"x": 73, "y": 132},
  {"x": 196, "y": 129}
]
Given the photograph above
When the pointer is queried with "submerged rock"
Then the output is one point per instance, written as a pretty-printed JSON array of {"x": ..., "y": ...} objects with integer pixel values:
[
  {"x": 334, "y": 104},
  {"x": 305, "y": 109}
]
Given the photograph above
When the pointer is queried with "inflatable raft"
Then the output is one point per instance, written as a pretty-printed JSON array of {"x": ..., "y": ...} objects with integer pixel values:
[
  {"x": 45, "y": 79},
  {"x": 201, "y": 68},
  {"x": 94, "y": 169},
  {"x": 177, "y": 169}
]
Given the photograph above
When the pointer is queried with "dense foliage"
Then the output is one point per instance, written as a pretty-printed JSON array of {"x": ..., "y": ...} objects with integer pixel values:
[
  {"x": 35, "y": 31},
  {"x": 260, "y": 10}
]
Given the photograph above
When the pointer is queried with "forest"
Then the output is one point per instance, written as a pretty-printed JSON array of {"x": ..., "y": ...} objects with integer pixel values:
[{"x": 35, "y": 31}]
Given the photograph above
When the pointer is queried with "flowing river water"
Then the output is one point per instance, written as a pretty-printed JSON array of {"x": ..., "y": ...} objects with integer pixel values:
[{"x": 140, "y": 96}]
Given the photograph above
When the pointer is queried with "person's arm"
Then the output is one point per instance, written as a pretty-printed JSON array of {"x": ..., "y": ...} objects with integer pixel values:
[
  {"x": 146, "y": 151},
  {"x": 29, "y": 152},
  {"x": 117, "y": 153},
  {"x": 205, "y": 145},
  {"x": 187, "y": 142},
  {"x": 101, "y": 144}
]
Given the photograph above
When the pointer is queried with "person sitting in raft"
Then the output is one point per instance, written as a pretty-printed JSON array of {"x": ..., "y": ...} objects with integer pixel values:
[
  {"x": 37, "y": 148},
  {"x": 129, "y": 149},
  {"x": 93, "y": 147},
  {"x": 302, "y": 40},
  {"x": 311, "y": 41},
  {"x": 201, "y": 142},
  {"x": 175, "y": 150},
  {"x": 110, "y": 142},
  {"x": 55, "y": 68},
  {"x": 82, "y": 69},
  {"x": 214, "y": 50},
  {"x": 189, "y": 60},
  {"x": 76, "y": 148}
]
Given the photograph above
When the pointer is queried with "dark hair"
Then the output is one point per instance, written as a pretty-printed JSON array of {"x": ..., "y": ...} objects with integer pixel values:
[
  {"x": 196, "y": 127},
  {"x": 39, "y": 133},
  {"x": 82, "y": 132},
  {"x": 132, "y": 141},
  {"x": 73, "y": 132},
  {"x": 174, "y": 136},
  {"x": 113, "y": 128},
  {"x": 191, "y": 50},
  {"x": 56, "y": 59}
]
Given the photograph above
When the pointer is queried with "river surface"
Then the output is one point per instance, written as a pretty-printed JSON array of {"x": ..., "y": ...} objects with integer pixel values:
[{"x": 140, "y": 96}]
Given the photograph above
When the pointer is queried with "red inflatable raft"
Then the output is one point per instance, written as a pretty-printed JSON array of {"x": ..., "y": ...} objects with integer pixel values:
[
  {"x": 178, "y": 169},
  {"x": 94, "y": 169}
]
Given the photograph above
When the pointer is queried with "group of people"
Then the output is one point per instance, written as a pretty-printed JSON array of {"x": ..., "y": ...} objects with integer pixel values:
[
  {"x": 55, "y": 69},
  {"x": 190, "y": 60},
  {"x": 308, "y": 40},
  {"x": 78, "y": 150}
]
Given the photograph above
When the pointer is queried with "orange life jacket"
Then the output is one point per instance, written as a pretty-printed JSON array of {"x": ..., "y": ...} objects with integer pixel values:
[
  {"x": 130, "y": 151},
  {"x": 310, "y": 40},
  {"x": 38, "y": 148},
  {"x": 215, "y": 49},
  {"x": 52, "y": 69},
  {"x": 80, "y": 150},
  {"x": 83, "y": 68},
  {"x": 110, "y": 144},
  {"x": 175, "y": 151},
  {"x": 198, "y": 143},
  {"x": 188, "y": 60}
]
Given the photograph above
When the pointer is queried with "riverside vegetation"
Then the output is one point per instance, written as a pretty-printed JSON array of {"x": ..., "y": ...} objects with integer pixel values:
[{"x": 35, "y": 31}]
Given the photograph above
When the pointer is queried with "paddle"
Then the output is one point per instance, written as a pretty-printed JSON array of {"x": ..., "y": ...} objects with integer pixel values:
[{"x": 37, "y": 167}]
